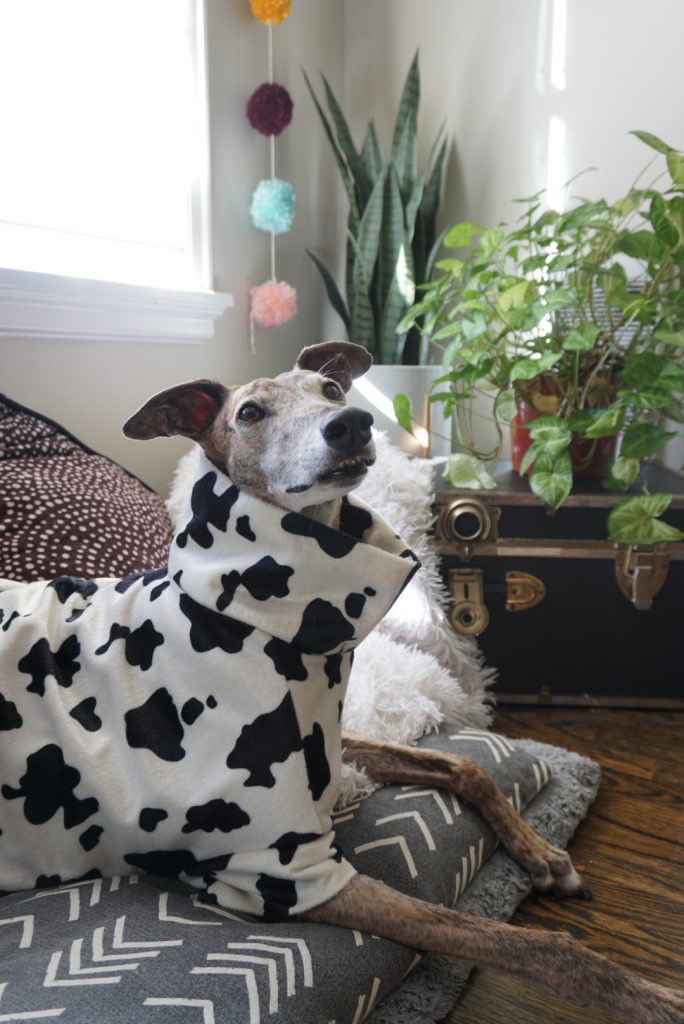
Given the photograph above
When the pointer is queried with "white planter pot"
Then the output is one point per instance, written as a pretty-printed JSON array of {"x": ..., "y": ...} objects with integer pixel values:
[{"x": 375, "y": 391}]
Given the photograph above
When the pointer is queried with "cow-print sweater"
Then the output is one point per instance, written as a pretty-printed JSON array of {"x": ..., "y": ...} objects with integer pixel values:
[{"x": 186, "y": 721}]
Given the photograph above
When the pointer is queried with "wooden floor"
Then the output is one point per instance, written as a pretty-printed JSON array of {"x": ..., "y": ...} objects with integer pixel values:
[{"x": 630, "y": 850}]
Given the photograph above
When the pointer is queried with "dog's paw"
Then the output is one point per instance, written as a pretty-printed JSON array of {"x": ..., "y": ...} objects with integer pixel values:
[{"x": 554, "y": 872}]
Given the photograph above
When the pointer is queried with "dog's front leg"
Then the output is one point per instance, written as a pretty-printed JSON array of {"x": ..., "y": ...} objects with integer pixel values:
[
  {"x": 551, "y": 869},
  {"x": 553, "y": 960}
]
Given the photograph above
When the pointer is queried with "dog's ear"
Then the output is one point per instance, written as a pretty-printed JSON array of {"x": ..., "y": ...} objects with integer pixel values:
[
  {"x": 340, "y": 360},
  {"x": 188, "y": 409}
]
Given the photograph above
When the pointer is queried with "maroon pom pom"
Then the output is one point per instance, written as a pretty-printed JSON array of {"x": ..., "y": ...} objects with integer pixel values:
[{"x": 269, "y": 108}]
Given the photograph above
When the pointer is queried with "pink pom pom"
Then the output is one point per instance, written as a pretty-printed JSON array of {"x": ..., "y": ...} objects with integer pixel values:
[{"x": 273, "y": 303}]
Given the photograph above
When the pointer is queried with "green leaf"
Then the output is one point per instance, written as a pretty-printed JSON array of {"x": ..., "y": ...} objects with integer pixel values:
[
  {"x": 621, "y": 473},
  {"x": 460, "y": 236},
  {"x": 636, "y": 521},
  {"x": 514, "y": 297},
  {"x": 368, "y": 239},
  {"x": 371, "y": 154},
  {"x": 643, "y": 439},
  {"x": 455, "y": 266},
  {"x": 336, "y": 300},
  {"x": 468, "y": 472},
  {"x": 554, "y": 484},
  {"x": 403, "y": 410},
  {"x": 675, "y": 165},
  {"x": 609, "y": 423},
  {"x": 653, "y": 141},
  {"x": 581, "y": 338},
  {"x": 528, "y": 367},
  {"x": 346, "y": 143},
  {"x": 403, "y": 149},
  {"x": 640, "y": 245},
  {"x": 674, "y": 338},
  {"x": 648, "y": 369},
  {"x": 662, "y": 225},
  {"x": 339, "y": 159},
  {"x": 552, "y": 436},
  {"x": 505, "y": 406},
  {"x": 647, "y": 398}
]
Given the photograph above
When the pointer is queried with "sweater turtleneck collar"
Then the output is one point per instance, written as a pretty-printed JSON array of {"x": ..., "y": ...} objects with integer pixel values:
[{"x": 308, "y": 584}]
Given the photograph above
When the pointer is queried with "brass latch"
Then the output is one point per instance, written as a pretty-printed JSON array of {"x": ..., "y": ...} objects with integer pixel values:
[
  {"x": 523, "y": 591},
  {"x": 468, "y": 522},
  {"x": 469, "y": 614},
  {"x": 640, "y": 573}
]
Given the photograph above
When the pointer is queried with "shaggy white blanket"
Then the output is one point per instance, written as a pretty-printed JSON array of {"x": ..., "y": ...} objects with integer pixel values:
[{"x": 413, "y": 672}]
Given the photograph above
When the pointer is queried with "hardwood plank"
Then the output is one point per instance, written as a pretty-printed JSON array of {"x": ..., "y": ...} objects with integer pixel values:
[{"x": 630, "y": 850}]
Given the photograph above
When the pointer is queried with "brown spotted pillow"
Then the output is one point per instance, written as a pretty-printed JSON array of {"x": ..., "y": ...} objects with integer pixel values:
[{"x": 65, "y": 510}]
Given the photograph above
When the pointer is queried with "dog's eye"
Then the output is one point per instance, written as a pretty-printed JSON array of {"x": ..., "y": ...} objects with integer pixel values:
[
  {"x": 332, "y": 391},
  {"x": 250, "y": 413}
]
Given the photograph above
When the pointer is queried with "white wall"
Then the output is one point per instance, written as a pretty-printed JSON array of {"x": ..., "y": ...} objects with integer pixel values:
[
  {"x": 485, "y": 67},
  {"x": 490, "y": 67},
  {"x": 92, "y": 387}
]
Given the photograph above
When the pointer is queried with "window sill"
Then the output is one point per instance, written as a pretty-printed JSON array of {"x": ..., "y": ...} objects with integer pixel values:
[{"x": 52, "y": 307}]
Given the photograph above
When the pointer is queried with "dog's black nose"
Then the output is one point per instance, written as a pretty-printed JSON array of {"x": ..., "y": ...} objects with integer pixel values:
[{"x": 347, "y": 430}]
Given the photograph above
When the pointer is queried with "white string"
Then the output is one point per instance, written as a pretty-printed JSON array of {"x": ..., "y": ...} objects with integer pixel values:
[{"x": 271, "y": 141}]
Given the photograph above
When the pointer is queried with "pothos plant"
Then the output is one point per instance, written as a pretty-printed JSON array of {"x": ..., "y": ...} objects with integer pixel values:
[{"x": 579, "y": 315}]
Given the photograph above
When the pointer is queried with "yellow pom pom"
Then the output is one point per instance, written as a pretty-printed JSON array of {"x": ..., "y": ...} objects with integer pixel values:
[{"x": 270, "y": 11}]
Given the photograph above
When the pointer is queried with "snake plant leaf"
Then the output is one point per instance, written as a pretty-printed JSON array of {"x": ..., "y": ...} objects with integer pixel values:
[
  {"x": 637, "y": 521},
  {"x": 371, "y": 154},
  {"x": 403, "y": 152},
  {"x": 347, "y": 180},
  {"x": 362, "y": 320},
  {"x": 333, "y": 293},
  {"x": 346, "y": 143},
  {"x": 368, "y": 238},
  {"x": 430, "y": 201},
  {"x": 400, "y": 296},
  {"x": 392, "y": 234}
]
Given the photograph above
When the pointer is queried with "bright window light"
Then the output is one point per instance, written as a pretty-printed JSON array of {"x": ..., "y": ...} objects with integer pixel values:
[{"x": 104, "y": 131}]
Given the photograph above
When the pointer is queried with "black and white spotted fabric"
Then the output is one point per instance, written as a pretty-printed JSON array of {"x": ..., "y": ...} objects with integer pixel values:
[
  {"x": 186, "y": 721},
  {"x": 141, "y": 949}
]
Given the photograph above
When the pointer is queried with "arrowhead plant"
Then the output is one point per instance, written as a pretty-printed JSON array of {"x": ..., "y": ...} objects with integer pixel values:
[{"x": 579, "y": 315}]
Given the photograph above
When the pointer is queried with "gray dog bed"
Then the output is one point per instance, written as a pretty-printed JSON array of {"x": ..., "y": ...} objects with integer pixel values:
[{"x": 133, "y": 950}]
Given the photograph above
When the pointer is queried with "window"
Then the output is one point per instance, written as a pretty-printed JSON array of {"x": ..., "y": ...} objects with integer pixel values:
[{"x": 104, "y": 169}]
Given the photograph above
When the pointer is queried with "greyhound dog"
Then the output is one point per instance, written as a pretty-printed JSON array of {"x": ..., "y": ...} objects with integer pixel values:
[{"x": 188, "y": 719}]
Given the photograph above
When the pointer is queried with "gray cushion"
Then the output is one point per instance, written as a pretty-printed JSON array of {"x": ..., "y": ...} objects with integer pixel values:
[{"x": 131, "y": 949}]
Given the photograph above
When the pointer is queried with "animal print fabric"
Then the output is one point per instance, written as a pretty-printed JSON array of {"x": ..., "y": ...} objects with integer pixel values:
[
  {"x": 185, "y": 721},
  {"x": 65, "y": 510},
  {"x": 139, "y": 949}
]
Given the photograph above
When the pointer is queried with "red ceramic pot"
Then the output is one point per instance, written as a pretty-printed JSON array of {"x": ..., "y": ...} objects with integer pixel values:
[{"x": 589, "y": 457}]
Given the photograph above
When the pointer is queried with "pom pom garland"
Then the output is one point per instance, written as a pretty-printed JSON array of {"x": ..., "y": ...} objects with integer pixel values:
[
  {"x": 273, "y": 206},
  {"x": 269, "y": 108},
  {"x": 273, "y": 303},
  {"x": 270, "y": 12},
  {"x": 269, "y": 111}
]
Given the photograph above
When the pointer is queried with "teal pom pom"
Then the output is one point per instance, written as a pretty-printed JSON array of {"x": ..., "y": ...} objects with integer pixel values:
[{"x": 273, "y": 206}]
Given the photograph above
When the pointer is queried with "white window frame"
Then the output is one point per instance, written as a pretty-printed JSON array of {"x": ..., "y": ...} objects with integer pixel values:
[{"x": 52, "y": 306}]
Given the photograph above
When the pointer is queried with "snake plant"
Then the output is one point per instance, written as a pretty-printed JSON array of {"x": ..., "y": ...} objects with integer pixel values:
[{"x": 391, "y": 226}]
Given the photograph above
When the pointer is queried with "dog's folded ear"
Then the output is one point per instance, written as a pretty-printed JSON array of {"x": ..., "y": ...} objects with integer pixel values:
[
  {"x": 340, "y": 360},
  {"x": 188, "y": 409}
]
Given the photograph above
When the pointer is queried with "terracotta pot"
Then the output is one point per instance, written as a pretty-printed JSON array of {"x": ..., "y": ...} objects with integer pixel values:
[{"x": 589, "y": 457}]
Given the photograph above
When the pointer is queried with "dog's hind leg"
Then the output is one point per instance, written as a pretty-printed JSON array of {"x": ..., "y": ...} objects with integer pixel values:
[
  {"x": 553, "y": 960},
  {"x": 551, "y": 869}
]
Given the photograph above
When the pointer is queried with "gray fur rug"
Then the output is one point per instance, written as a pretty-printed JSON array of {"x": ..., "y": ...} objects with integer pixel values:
[{"x": 434, "y": 988}]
